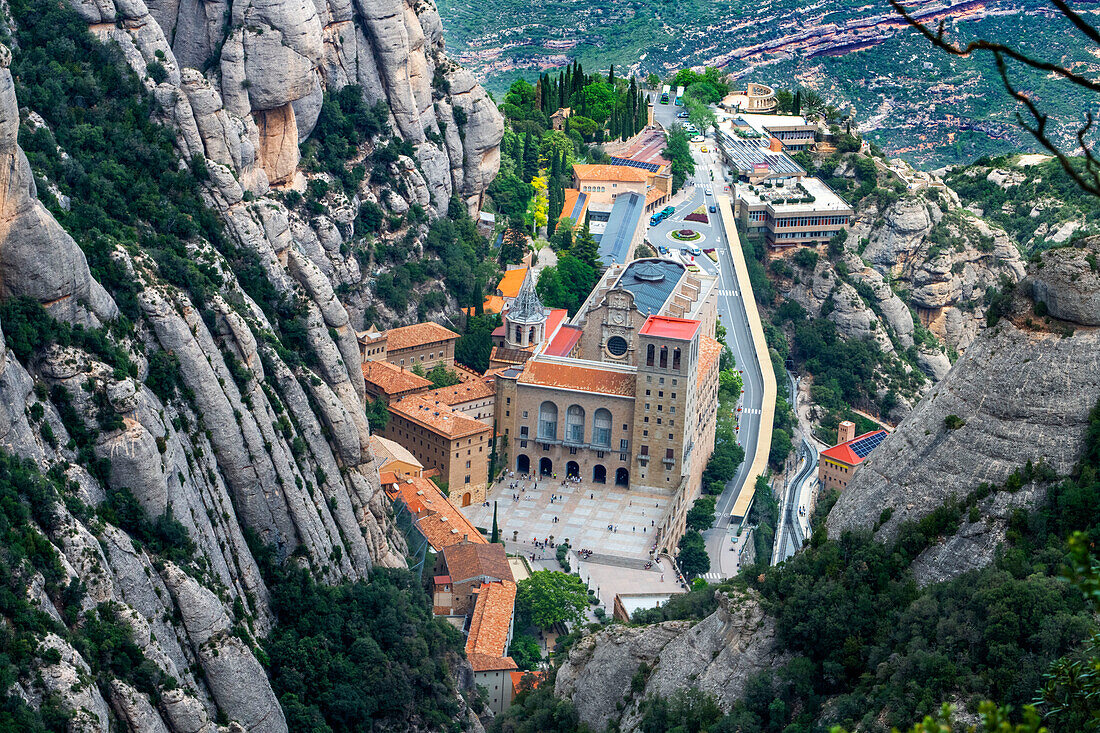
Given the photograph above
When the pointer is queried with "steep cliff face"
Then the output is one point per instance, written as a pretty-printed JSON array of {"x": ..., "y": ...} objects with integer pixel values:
[
  {"x": 268, "y": 64},
  {"x": 716, "y": 655},
  {"x": 1021, "y": 392},
  {"x": 197, "y": 405}
]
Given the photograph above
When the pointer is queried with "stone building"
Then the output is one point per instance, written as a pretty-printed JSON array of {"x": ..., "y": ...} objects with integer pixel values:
[
  {"x": 445, "y": 440},
  {"x": 426, "y": 344},
  {"x": 625, "y": 393}
]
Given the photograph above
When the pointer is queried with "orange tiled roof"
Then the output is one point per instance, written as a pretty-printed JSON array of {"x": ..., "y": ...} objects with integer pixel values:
[
  {"x": 486, "y": 646},
  {"x": 461, "y": 392},
  {"x": 438, "y": 520},
  {"x": 654, "y": 194},
  {"x": 603, "y": 172},
  {"x": 710, "y": 351},
  {"x": 437, "y": 417},
  {"x": 511, "y": 282},
  {"x": 418, "y": 334},
  {"x": 585, "y": 379},
  {"x": 387, "y": 477},
  {"x": 391, "y": 379}
]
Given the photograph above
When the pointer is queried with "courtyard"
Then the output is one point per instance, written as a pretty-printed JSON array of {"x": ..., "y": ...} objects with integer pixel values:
[{"x": 616, "y": 524}]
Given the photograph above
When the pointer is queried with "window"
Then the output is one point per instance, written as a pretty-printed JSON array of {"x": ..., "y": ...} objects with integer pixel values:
[
  {"x": 647, "y": 393},
  {"x": 525, "y": 411},
  {"x": 658, "y": 421},
  {"x": 467, "y": 464},
  {"x": 664, "y": 357},
  {"x": 601, "y": 428},
  {"x": 574, "y": 424},
  {"x": 644, "y": 451},
  {"x": 660, "y": 394},
  {"x": 617, "y": 346},
  {"x": 645, "y": 433},
  {"x": 523, "y": 431},
  {"x": 548, "y": 421},
  {"x": 624, "y": 446},
  {"x": 649, "y": 350},
  {"x": 668, "y": 454},
  {"x": 467, "y": 480}
]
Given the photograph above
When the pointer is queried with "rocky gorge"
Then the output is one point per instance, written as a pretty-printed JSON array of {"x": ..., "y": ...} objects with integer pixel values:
[{"x": 188, "y": 399}]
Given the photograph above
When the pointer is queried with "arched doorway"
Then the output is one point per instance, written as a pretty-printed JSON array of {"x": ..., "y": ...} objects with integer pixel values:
[
  {"x": 599, "y": 474},
  {"x": 466, "y": 499},
  {"x": 523, "y": 464},
  {"x": 572, "y": 469},
  {"x": 622, "y": 477},
  {"x": 546, "y": 467}
]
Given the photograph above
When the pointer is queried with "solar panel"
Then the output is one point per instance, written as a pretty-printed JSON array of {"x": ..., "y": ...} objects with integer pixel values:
[
  {"x": 651, "y": 167},
  {"x": 864, "y": 446}
]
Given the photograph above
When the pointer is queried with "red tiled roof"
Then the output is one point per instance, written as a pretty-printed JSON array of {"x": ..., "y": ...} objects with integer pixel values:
[
  {"x": 441, "y": 579},
  {"x": 437, "y": 519},
  {"x": 844, "y": 453},
  {"x": 437, "y": 417},
  {"x": 486, "y": 646},
  {"x": 585, "y": 379},
  {"x": 418, "y": 334},
  {"x": 392, "y": 380},
  {"x": 683, "y": 329},
  {"x": 564, "y": 341},
  {"x": 387, "y": 477},
  {"x": 602, "y": 172}
]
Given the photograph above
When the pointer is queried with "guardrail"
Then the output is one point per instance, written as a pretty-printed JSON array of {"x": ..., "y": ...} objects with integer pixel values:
[{"x": 760, "y": 351}]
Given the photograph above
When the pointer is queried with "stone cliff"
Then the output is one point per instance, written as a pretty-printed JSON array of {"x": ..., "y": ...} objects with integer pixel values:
[
  {"x": 251, "y": 441},
  {"x": 608, "y": 674},
  {"x": 1022, "y": 392}
]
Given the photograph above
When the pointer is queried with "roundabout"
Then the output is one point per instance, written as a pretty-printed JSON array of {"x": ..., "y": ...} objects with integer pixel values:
[{"x": 685, "y": 235}]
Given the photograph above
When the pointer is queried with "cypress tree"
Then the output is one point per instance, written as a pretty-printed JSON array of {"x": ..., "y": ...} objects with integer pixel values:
[
  {"x": 611, "y": 75},
  {"x": 797, "y": 102},
  {"x": 561, "y": 88},
  {"x": 555, "y": 166},
  {"x": 530, "y": 157},
  {"x": 495, "y": 536}
]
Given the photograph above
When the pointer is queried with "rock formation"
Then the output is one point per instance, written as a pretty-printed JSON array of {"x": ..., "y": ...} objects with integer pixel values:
[
  {"x": 1021, "y": 392},
  {"x": 716, "y": 655},
  {"x": 250, "y": 440}
]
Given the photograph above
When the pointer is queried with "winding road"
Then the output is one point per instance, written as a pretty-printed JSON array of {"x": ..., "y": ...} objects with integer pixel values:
[{"x": 755, "y": 417}]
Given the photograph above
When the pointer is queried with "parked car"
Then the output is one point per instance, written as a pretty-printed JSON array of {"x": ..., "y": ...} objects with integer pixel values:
[
  {"x": 683, "y": 115},
  {"x": 708, "y": 191},
  {"x": 713, "y": 208},
  {"x": 694, "y": 251},
  {"x": 668, "y": 211}
]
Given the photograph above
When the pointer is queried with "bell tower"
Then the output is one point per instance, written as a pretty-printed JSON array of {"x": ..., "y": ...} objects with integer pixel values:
[{"x": 525, "y": 318}]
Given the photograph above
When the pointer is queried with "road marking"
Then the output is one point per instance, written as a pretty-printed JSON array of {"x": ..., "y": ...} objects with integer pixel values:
[
  {"x": 712, "y": 576},
  {"x": 729, "y": 293}
]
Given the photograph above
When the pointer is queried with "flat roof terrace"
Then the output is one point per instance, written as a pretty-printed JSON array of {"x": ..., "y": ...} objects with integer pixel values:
[{"x": 791, "y": 197}]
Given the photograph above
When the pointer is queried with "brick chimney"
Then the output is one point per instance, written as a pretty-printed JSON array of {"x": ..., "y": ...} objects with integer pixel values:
[
  {"x": 775, "y": 146},
  {"x": 845, "y": 432}
]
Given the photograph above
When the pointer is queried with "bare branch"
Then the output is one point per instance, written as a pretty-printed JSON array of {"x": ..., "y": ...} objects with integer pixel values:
[
  {"x": 1088, "y": 178},
  {"x": 939, "y": 40}
]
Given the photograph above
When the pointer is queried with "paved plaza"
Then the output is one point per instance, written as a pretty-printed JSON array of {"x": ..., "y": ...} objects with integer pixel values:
[{"x": 583, "y": 512}]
